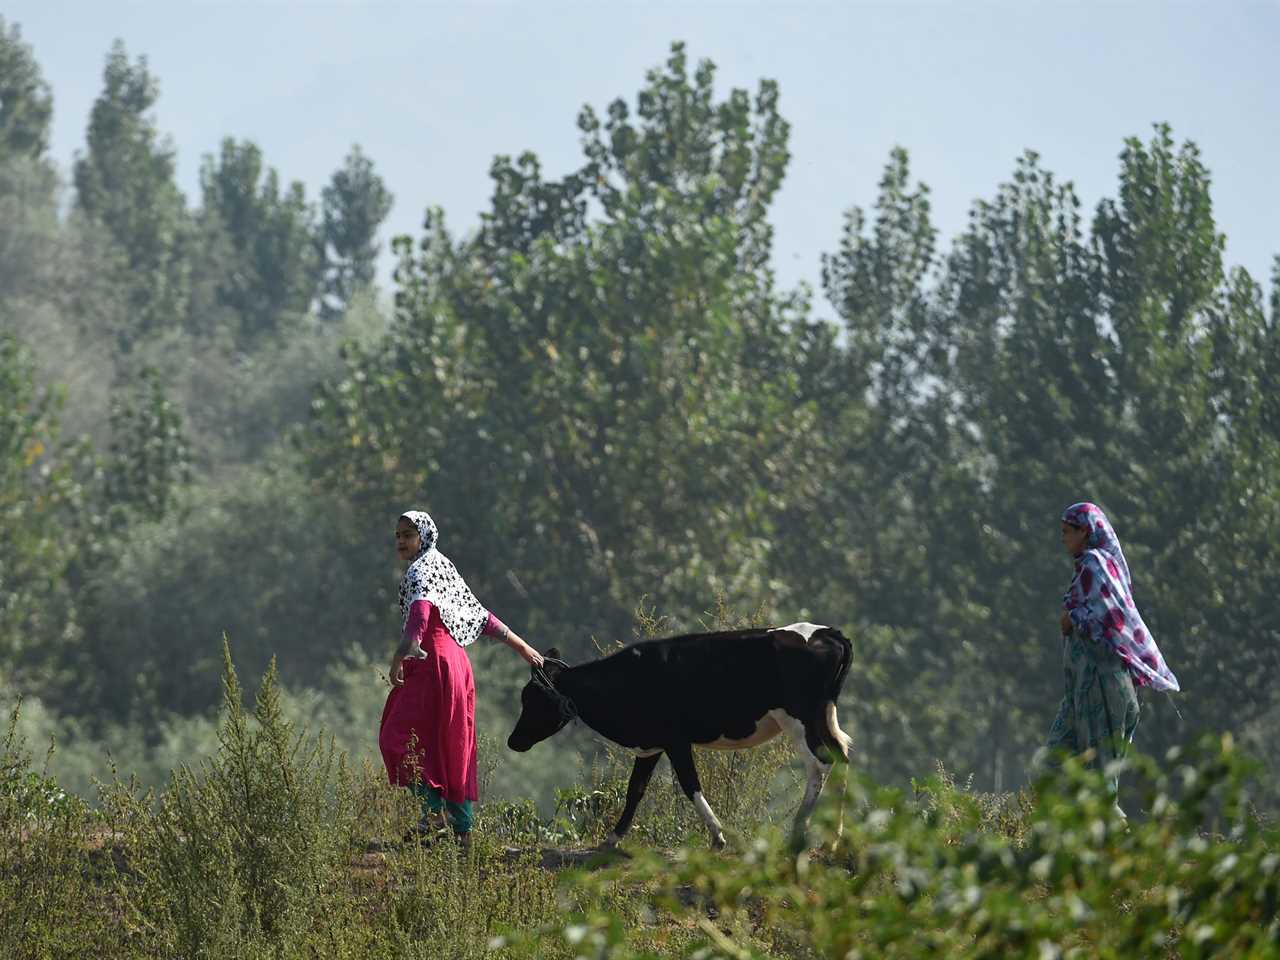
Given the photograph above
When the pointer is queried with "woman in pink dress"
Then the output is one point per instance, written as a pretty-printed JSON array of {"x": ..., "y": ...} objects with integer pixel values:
[{"x": 428, "y": 731}]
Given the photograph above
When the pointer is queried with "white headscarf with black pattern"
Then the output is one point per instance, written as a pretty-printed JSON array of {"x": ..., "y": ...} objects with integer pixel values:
[{"x": 431, "y": 576}]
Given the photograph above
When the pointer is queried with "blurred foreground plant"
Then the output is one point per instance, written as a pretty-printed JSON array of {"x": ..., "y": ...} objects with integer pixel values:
[{"x": 1048, "y": 872}]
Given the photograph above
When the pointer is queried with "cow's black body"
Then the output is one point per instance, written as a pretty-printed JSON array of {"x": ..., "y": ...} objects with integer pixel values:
[{"x": 728, "y": 690}]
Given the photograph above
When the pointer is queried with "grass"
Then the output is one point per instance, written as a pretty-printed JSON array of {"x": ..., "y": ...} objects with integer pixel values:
[{"x": 275, "y": 848}]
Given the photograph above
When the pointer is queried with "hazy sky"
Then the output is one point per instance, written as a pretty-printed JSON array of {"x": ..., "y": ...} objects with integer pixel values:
[{"x": 433, "y": 91}]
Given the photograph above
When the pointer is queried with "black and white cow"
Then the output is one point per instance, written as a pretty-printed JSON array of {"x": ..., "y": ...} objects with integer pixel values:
[{"x": 725, "y": 691}]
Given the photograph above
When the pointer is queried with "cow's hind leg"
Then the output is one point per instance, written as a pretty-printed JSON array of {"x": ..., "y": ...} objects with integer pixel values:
[
  {"x": 808, "y": 742},
  {"x": 641, "y": 771},
  {"x": 681, "y": 758}
]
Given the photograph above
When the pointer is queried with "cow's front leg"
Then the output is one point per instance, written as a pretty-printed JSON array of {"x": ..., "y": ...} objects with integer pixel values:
[
  {"x": 681, "y": 758},
  {"x": 641, "y": 771},
  {"x": 815, "y": 774}
]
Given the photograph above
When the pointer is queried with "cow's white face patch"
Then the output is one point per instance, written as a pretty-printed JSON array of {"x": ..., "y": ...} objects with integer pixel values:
[{"x": 805, "y": 629}]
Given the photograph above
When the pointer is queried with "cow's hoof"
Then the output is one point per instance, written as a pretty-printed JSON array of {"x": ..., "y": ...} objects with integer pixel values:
[{"x": 717, "y": 841}]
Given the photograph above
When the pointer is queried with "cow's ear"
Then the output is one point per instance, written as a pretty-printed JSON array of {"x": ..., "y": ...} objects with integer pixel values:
[{"x": 553, "y": 664}]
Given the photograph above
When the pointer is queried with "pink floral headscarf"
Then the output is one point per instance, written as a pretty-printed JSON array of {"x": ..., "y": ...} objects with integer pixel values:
[{"x": 1100, "y": 601}]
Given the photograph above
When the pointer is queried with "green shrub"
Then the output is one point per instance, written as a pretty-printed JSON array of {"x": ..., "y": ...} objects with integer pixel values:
[
  {"x": 940, "y": 871},
  {"x": 252, "y": 845},
  {"x": 54, "y": 900},
  {"x": 274, "y": 848}
]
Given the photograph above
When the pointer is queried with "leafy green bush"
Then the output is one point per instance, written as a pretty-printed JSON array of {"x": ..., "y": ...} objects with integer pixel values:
[
  {"x": 250, "y": 845},
  {"x": 274, "y": 848},
  {"x": 941, "y": 871},
  {"x": 53, "y": 902}
]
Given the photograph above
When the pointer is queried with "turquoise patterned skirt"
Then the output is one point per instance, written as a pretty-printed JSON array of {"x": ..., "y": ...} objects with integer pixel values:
[{"x": 1099, "y": 710}]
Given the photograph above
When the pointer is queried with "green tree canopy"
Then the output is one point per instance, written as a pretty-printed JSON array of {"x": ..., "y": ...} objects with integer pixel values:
[
  {"x": 352, "y": 207},
  {"x": 26, "y": 102},
  {"x": 149, "y": 457},
  {"x": 38, "y": 536},
  {"x": 598, "y": 408},
  {"x": 1046, "y": 365},
  {"x": 125, "y": 182},
  {"x": 270, "y": 272},
  {"x": 28, "y": 210}
]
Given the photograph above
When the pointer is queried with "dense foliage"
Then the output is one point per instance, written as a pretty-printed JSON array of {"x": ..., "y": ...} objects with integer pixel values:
[
  {"x": 209, "y": 419},
  {"x": 273, "y": 847}
]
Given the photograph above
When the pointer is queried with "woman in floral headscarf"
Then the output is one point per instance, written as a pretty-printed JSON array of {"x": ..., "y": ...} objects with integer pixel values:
[
  {"x": 428, "y": 731},
  {"x": 1107, "y": 649}
]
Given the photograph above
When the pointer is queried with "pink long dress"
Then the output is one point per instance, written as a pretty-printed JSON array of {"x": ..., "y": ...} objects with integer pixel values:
[{"x": 428, "y": 729}]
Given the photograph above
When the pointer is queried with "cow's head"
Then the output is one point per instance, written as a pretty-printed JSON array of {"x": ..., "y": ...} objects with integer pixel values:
[{"x": 544, "y": 710}]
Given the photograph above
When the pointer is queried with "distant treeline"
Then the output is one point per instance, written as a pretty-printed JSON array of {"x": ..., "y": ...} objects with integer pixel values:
[{"x": 209, "y": 421}]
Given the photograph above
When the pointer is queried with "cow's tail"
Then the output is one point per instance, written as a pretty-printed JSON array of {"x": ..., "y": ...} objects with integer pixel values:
[
  {"x": 838, "y": 742},
  {"x": 836, "y": 739}
]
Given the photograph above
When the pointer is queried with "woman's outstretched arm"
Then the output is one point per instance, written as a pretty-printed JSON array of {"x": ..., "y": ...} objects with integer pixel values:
[{"x": 499, "y": 630}]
